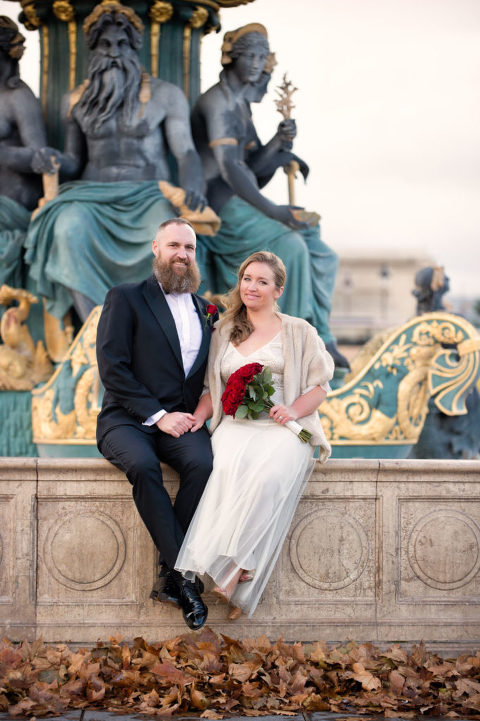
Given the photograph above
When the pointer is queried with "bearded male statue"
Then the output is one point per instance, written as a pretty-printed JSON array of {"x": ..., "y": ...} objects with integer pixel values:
[{"x": 120, "y": 125}]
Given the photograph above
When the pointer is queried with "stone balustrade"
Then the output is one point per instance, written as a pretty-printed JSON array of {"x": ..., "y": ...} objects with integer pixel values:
[{"x": 381, "y": 551}]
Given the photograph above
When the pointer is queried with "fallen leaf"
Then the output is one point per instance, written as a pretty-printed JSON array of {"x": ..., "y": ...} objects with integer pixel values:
[{"x": 367, "y": 679}]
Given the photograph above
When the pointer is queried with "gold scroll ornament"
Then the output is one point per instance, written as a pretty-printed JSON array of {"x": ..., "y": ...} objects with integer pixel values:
[{"x": 205, "y": 222}]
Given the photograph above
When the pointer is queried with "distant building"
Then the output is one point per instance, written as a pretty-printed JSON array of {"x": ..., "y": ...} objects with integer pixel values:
[{"x": 373, "y": 292}]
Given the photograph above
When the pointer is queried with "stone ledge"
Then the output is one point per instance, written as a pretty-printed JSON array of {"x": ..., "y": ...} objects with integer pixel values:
[{"x": 378, "y": 550}]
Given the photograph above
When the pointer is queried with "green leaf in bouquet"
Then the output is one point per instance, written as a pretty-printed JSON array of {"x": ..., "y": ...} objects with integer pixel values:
[
  {"x": 267, "y": 375},
  {"x": 252, "y": 392},
  {"x": 253, "y": 415},
  {"x": 257, "y": 407},
  {"x": 241, "y": 412}
]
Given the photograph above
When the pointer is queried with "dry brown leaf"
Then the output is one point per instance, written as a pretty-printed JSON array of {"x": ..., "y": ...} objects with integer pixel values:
[
  {"x": 211, "y": 714},
  {"x": 241, "y": 671},
  {"x": 198, "y": 699},
  {"x": 367, "y": 679},
  {"x": 397, "y": 682}
]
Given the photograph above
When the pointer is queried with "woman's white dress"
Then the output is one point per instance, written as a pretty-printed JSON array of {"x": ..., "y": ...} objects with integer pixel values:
[{"x": 259, "y": 472}]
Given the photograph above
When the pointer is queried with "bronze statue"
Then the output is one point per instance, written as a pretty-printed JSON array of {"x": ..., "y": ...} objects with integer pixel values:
[
  {"x": 236, "y": 165},
  {"x": 120, "y": 125},
  {"x": 431, "y": 284},
  {"x": 22, "y": 133}
]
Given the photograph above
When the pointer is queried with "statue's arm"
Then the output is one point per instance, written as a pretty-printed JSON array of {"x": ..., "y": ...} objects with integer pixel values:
[
  {"x": 279, "y": 160},
  {"x": 265, "y": 160},
  {"x": 30, "y": 126},
  {"x": 73, "y": 159},
  {"x": 233, "y": 169},
  {"x": 180, "y": 143}
]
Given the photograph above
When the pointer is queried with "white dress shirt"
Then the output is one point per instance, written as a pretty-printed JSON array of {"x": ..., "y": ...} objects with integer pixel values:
[{"x": 189, "y": 330}]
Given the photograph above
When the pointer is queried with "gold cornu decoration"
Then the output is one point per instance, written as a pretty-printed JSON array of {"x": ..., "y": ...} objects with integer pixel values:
[
  {"x": 46, "y": 53},
  {"x": 64, "y": 11},
  {"x": 199, "y": 17},
  {"x": 160, "y": 12}
]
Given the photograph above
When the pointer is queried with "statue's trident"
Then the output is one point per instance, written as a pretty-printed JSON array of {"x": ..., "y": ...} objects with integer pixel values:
[{"x": 285, "y": 105}]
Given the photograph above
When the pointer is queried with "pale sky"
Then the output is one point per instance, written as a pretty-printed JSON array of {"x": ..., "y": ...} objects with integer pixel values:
[{"x": 388, "y": 117}]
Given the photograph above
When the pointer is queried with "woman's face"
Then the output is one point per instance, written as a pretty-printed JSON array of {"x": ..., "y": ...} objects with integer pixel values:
[
  {"x": 249, "y": 64},
  {"x": 257, "y": 287}
]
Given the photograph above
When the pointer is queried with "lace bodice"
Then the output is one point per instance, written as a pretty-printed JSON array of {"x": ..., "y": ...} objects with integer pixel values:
[{"x": 270, "y": 355}]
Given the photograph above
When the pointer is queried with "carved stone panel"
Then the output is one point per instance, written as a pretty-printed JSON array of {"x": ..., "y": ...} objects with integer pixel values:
[
  {"x": 330, "y": 553},
  {"x": 17, "y": 565},
  {"x": 87, "y": 549},
  {"x": 440, "y": 550},
  {"x": 7, "y": 547}
]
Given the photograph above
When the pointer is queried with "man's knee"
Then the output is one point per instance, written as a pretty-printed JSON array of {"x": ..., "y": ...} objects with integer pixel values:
[
  {"x": 143, "y": 470},
  {"x": 200, "y": 467}
]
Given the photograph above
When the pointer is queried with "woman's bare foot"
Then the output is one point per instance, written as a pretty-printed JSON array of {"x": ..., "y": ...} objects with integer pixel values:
[{"x": 227, "y": 591}]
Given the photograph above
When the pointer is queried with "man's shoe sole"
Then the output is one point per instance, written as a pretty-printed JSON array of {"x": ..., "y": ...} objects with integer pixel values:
[{"x": 163, "y": 598}]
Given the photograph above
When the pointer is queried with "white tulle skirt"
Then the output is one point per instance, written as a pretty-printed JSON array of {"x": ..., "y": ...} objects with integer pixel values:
[{"x": 260, "y": 470}]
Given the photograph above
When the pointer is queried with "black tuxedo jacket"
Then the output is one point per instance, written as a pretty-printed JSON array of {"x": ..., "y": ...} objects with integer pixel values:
[{"x": 139, "y": 357}]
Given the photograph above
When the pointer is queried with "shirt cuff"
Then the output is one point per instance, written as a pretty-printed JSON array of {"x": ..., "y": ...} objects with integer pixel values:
[{"x": 153, "y": 419}]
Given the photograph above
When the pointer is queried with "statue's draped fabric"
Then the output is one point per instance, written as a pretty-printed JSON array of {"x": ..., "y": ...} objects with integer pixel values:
[
  {"x": 14, "y": 220},
  {"x": 311, "y": 265},
  {"x": 93, "y": 236}
]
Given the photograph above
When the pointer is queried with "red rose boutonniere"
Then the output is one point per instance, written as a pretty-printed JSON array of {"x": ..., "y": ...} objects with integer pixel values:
[{"x": 210, "y": 312}]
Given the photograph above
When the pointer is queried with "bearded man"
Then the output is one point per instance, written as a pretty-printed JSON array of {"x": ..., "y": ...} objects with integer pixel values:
[
  {"x": 120, "y": 125},
  {"x": 152, "y": 347}
]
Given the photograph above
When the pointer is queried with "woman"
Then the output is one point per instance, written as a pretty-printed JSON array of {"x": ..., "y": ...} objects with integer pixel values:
[{"x": 260, "y": 468}]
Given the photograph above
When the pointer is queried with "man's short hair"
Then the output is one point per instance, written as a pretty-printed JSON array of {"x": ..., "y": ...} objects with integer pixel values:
[{"x": 175, "y": 221}]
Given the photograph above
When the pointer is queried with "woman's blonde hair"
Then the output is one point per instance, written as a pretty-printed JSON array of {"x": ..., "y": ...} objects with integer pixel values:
[{"x": 236, "y": 311}]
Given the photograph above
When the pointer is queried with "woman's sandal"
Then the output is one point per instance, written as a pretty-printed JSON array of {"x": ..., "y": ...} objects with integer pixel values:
[
  {"x": 234, "y": 612},
  {"x": 220, "y": 594},
  {"x": 246, "y": 576}
]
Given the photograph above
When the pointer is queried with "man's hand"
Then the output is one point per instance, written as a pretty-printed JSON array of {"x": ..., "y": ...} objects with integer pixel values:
[
  {"x": 194, "y": 200},
  {"x": 176, "y": 424}
]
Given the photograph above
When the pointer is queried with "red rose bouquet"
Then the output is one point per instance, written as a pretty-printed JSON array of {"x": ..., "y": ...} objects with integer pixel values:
[{"x": 247, "y": 394}]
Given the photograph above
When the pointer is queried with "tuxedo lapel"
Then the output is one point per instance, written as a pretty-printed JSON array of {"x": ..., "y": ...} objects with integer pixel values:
[
  {"x": 156, "y": 301},
  {"x": 206, "y": 333}
]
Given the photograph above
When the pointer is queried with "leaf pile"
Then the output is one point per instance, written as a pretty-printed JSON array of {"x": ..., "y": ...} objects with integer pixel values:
[{"x": 216, "y": 676}]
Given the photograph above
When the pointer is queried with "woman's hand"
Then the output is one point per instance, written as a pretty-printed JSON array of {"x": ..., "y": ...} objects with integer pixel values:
[
  {"x": 282, "y": 414},
  {"x": 202, "y": 412}
]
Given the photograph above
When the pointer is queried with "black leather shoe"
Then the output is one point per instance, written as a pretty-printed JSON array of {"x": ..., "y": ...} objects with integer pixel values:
[
  {"x": 194, "y": 610},
  {"x": 166, "y": 590}
]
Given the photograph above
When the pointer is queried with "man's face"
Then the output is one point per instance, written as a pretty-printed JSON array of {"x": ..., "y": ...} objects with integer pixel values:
[
  {"x": 113, "y": 44},
  {"x": 174, "y": 264},
  {"x": 175, "y": 246}
]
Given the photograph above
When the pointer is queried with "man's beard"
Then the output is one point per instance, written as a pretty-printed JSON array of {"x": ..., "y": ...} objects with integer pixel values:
[
  {"x": 113, "y": 83},
  {"x": 172, "y": 282}
]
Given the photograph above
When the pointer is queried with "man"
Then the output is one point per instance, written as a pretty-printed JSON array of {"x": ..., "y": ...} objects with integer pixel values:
[
  {"x": 120, "y": 126},
  {"x": 152, "y": 347}
]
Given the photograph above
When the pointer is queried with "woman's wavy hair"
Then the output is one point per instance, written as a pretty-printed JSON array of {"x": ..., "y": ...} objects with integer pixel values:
[{"x": 236, "y": 311}]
